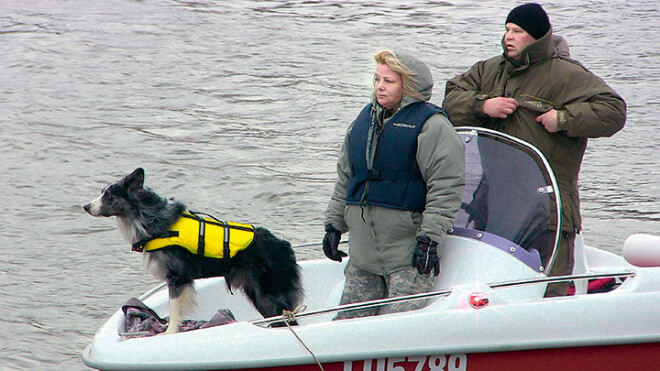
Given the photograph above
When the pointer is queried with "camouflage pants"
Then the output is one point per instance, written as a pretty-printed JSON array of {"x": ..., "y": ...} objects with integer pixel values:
[{"x": 363, "y": 286}]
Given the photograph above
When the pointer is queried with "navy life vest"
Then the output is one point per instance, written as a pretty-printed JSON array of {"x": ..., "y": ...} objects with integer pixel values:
[{"x": 395, "y": 180}]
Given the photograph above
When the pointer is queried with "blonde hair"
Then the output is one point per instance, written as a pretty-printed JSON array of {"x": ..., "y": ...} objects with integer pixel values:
[{"x": 390, "y": 59}]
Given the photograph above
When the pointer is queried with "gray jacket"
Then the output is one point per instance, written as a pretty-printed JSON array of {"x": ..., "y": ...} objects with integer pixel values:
[{"x": 382, "y": 240}]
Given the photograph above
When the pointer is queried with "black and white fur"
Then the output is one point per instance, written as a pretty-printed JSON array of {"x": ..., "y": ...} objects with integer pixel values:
[{"x": 266, "y": 271}]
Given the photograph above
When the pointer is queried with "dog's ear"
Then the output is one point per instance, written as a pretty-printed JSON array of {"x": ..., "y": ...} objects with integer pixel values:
[{"x": 134, "y": 180}]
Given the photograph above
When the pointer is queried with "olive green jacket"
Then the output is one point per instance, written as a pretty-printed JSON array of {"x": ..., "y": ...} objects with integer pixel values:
[{"x": 544, "y": 78}]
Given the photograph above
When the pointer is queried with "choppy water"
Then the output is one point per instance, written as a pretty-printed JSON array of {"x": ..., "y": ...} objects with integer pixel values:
[{"x": 238, "y": 108}]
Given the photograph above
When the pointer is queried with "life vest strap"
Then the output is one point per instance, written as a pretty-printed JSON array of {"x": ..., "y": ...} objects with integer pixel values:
[
  {"x": 225, "y": 243},
  {"x": 201, "y": 236},
  {"x": 225, "y": 257},
  {"x": 385, "y": 174},
  {"x": 139, "y": 246}
]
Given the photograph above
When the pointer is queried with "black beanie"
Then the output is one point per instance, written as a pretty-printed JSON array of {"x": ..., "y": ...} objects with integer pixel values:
[{"x": 530, "y": 17}]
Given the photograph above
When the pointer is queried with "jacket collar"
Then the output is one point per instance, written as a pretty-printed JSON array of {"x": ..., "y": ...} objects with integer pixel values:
[{"x": 536, "y": 52}]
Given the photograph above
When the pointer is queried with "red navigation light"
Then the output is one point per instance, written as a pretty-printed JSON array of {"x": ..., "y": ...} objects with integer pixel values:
[{"x": 478, "y": 300}]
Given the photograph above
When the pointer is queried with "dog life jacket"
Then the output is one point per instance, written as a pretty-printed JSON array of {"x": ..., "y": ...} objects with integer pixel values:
[{"x": 207, "y": 236}]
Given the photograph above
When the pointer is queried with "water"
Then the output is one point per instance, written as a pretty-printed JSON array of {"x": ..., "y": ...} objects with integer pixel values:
[{"x": 238, "y": 108}]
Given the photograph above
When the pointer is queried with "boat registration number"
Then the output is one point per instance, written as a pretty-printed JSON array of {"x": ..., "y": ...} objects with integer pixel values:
[{"x": 452, "y": 362}]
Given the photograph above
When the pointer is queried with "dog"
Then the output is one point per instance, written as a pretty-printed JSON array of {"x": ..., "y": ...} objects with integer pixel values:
[{"x": 266, "y": 270}]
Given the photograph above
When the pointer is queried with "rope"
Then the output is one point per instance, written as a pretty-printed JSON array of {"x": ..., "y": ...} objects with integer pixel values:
[{"x": 290, "y": 316}]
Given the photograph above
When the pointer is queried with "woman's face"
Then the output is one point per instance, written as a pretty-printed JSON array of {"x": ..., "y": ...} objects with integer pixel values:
[{"x": 388, "y": 87}]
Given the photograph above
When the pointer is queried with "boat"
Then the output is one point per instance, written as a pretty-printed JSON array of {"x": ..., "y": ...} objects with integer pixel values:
[{"x": 487, "y": 309}]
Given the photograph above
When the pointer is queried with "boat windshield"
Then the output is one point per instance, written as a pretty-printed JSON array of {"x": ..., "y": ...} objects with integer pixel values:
[{"x": 510, "y": 191}]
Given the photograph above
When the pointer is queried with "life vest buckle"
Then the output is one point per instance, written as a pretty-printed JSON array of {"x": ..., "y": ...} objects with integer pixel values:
[{"x": 373, "y": 174}]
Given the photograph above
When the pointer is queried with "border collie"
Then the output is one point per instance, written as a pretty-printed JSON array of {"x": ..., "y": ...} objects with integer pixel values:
[{"x": 266, "y": 271}]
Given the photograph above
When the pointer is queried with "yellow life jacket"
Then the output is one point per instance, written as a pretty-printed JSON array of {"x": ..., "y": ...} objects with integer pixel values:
[{"x": 207, "y": 236}]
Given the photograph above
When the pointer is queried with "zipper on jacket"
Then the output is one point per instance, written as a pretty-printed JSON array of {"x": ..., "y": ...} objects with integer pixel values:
[{"x": 370, "y": 137}]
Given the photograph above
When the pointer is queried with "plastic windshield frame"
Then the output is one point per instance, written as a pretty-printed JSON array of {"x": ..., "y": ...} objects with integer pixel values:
[{"x": 470, "y": 131}]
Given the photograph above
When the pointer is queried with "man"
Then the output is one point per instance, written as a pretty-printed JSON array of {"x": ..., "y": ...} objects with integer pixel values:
[{"x": 542, "y": 96}]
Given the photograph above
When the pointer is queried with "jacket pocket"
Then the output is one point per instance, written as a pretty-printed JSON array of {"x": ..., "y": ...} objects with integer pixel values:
[
  {"x": 391, "y": 226},
  {"x": 536, "y": 104}
]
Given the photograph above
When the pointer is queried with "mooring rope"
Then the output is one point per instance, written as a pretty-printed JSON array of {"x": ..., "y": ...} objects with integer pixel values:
[{"x": 290, "y": 316}]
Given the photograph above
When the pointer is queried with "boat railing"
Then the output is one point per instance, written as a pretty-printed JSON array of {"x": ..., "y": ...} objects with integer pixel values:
[
  {"x": 360, "y": 305},
  {"x": 439, "y": 294}
]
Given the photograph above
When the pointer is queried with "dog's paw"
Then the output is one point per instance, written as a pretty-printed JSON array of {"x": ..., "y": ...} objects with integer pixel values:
[{"x": 170, "y": 330}]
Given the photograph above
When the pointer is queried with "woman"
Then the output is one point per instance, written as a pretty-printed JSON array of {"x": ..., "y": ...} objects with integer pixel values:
[{"x": 398, "y": 190}]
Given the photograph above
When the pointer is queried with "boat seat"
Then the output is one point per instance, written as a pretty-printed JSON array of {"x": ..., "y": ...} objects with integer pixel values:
[
  {"x": 531, "y": 256},
  {"x": 335, "y": 294},
  {"x": 471, "y": 256}
]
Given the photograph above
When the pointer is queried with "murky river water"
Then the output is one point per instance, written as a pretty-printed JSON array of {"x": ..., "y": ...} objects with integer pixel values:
[{"x": 238, "y": 108}]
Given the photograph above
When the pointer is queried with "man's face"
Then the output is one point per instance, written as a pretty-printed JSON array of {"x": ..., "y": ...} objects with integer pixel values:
[{"x": 516, "y": 40}]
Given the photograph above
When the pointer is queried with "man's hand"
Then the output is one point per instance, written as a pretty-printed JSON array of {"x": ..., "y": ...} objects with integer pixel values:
[
  {"x": 549, "y": 120},
  {"x": 499, "y": 107}
]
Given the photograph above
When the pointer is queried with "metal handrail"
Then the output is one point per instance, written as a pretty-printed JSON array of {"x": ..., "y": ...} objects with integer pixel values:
[{"x": 361, "y": 305}]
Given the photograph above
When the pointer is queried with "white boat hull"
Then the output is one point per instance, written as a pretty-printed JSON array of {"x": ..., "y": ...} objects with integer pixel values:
[{"x": 517, "y": 322}]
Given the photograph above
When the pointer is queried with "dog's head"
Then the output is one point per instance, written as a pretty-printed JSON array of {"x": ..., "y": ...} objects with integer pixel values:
[{"x": 117, "y": 199}]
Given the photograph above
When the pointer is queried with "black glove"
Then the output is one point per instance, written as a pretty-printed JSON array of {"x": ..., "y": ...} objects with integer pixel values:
[
  {"x": 425, "y": 258},
  {"x": 331, "y": 244}
]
